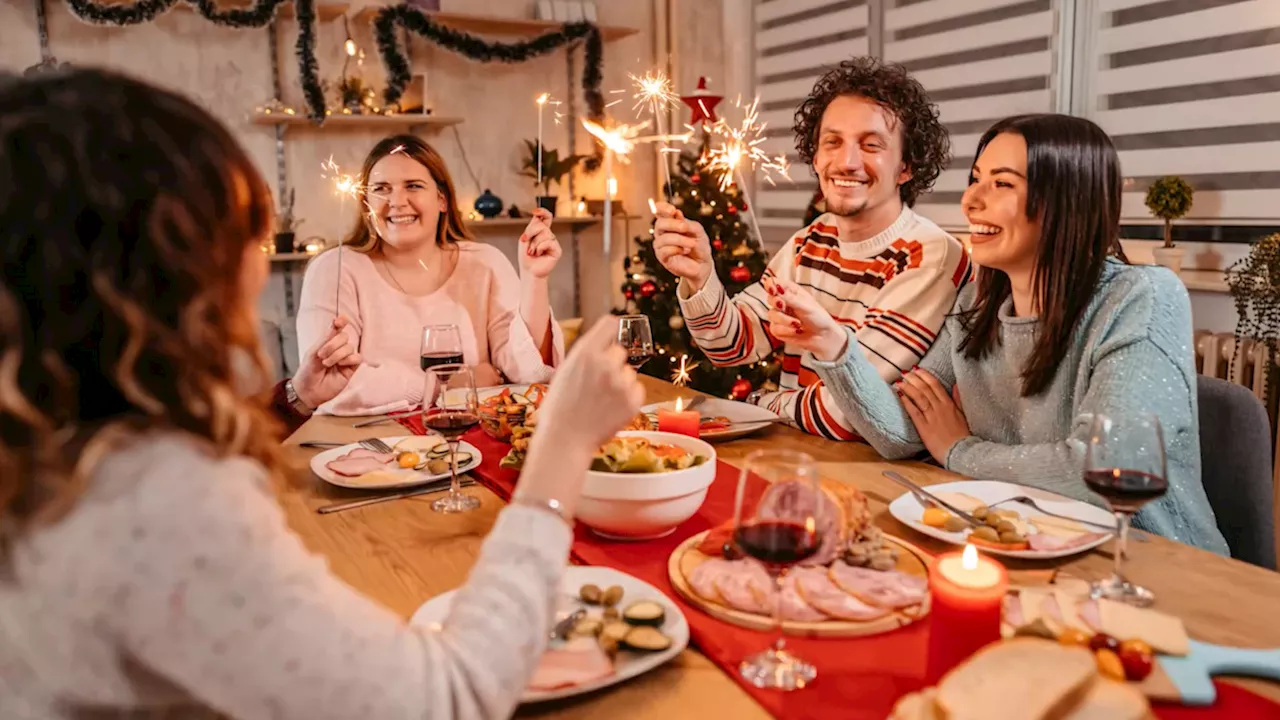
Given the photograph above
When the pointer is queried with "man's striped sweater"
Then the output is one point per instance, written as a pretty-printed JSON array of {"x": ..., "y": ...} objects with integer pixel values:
[{"x": 894, "y": 290}]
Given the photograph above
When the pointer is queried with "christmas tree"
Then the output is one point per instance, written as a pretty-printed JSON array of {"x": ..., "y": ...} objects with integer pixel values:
[{"x": 650, "y": 289}]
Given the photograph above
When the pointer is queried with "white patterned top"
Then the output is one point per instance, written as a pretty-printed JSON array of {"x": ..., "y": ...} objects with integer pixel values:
[{"x": 174, "y": 587}]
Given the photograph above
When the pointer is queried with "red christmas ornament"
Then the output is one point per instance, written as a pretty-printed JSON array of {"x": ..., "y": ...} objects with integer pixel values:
[
  {"x": 628, "y": 294},
  {"x": 741, "y": 389},
  {"x": 695, "y": 178},
  {"x": 702, "y": 103},
  {"x": 648, "y": 288},
  {"x": 740, "y": 274},
  {"x": 732, "y": 210},
  {"x": 718, "y": 244},
  {"x": 744, "y": 207}
]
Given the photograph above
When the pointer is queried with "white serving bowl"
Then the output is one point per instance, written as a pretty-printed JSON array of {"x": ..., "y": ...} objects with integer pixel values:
[{"x": 643, "y": 506}]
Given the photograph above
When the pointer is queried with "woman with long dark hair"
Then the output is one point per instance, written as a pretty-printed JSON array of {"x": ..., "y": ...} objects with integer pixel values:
[
  {"x": 1058, "y": 327},
  {"x": 410, "y": 261},
  {"x": 145, "y": 566}
]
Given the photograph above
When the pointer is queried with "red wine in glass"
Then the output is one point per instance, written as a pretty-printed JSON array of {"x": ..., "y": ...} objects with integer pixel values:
[
  {"x": 452, "y": 424},
  {"x": 1126, "y": 490},
  {"x": 432, "y": 359},
  {"x": 638, "y": 357},
  {"x": 777, "y": 543}
]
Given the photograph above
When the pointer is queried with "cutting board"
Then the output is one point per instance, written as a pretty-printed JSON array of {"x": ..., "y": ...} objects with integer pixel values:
[{"x": 1189, "y": 680}]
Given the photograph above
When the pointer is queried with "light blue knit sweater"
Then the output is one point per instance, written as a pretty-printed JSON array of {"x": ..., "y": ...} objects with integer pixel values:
[{"x": 1132, "y": 353}]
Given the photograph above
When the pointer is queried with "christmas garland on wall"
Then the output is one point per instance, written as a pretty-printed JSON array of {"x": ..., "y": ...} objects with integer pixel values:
[
  {"x": 474, "y": 48},
  {"x": 261, "y": 14}
]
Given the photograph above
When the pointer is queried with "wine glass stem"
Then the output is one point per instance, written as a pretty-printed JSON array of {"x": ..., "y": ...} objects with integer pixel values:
[
  {"x": 454, "y": 490},
  {"x": 1122, "y": 543},
  {"x": 781, "y": 642}
]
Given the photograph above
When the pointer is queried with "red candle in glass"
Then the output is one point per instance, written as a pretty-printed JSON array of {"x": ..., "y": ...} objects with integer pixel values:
[
  {"x": 967, "y": 592},
  {"x": 679, "y": 421}
]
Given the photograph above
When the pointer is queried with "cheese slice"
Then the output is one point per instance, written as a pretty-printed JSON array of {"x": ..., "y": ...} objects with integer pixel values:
[
  {"x": 1164, "y": 633},
  {"x": 1032, "y": 602},
  {"x": 963, "y": 502},
  {"x": 1058, "y": 527}
]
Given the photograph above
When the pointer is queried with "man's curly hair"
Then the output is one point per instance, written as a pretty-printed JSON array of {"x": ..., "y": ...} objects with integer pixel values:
[{"x": 926, "y": 148}]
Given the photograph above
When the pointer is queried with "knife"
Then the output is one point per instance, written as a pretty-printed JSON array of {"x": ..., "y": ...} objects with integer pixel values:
[
  {"x": 432, "y": 487},
  {"x": 562, "y": 628},
  {"x": 927, "y": 499}
]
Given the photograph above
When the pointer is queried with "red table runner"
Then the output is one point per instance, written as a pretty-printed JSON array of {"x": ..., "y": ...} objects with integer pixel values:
[{"x": 857, "y": 677}]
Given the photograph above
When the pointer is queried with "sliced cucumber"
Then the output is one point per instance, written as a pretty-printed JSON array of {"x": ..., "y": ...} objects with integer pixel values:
[
  {"x": 646, "y": 639},
  {"x": 645, "y": 612}
]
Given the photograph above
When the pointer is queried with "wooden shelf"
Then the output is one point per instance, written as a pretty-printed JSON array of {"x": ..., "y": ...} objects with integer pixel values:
[
  {"x": 1205, "y": 280},
  {"x": 488, "y": 25},
  {"x": 506, "y": 222},
  {"x": 325, "y": 12},
  {"x": 339, "y": 120},
  {"x": 291, "y": 257}
]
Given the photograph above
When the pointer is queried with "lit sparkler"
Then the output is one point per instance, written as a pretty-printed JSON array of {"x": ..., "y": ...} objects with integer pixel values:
[
  {"x": 741, "y": 146},
  {"x": 346, "y": 185},
  {"x": 654, "y": 91}
]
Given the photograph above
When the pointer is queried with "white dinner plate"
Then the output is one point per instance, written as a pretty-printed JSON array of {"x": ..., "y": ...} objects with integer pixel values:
[
  {"x": 628, "y": 664},
  {"x": 393, "y": 477},
  {"x": 755, "y": 417},
  {"x": 907, "y": 509}
]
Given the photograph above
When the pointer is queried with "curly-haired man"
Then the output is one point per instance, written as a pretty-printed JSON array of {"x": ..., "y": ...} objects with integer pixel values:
[{"x": 874, "y": 142}]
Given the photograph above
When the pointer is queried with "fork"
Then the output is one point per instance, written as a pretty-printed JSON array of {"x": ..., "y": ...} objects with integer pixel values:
[
  {"x": 377, "y": 445},
  {"x": 1135, "y": 533}
]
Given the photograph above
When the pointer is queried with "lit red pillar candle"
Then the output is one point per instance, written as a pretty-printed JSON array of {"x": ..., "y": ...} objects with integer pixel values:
[
  {"x": 967, "y": 591},
  {"x": 679, "y": 421}
]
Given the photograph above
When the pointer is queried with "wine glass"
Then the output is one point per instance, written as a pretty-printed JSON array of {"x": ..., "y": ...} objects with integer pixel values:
[
  {"x": 778, "y": 525},
  {"x": 635, "y": 335},
  {"x": 441, "y": 345},
  {"x": 1124, "y": 463},
  {"x": 450, "y": 407}
]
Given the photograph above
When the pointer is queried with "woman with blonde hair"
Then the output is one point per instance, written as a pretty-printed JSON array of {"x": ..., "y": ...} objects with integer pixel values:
[
  {"x": 411, "y": 262},
  {"x": 145, "y": 567}
]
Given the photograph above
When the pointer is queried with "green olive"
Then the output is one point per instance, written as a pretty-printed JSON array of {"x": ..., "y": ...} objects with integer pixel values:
[
  {"x": 1012, "y": 538},
  {"x": 986, "y": 533},
  {"x": 590, "y": 594},
  {"x": 1007, "y": 513},
  {"x": 954, "y": 524},
  {"x": 992, "y": 519},
  {"x": 980, "y": 512},
  {"x": 1004, "y": 526}
]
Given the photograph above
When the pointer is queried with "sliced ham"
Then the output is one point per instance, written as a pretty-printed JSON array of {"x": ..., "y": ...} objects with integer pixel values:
[
  {"x": 1044, "y": 542},
  {"x": 704, "y": 577},
  {"x": 360, "y": 461},
  {"x": 1013, "y": 610},
  {"x": 826, "y": 597},
  {"x": 746, "y": 586},
  {"x": 883, "y": 588},
  {"x": 580, "y": 661},
  {"x": 794, "y": 606},
  {"x": 1091, "y": 614}
]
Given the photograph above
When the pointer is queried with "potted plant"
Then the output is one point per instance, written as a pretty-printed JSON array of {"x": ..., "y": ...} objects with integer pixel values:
[
  {"x": 553, "y": 169},
  {"x": 1254, "y": 283},
  {"x": 1169, "y": 198},
  {"x": 286, "y": 226}
]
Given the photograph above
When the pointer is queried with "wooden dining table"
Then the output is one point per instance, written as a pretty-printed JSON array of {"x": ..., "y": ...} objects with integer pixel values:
[{"x": 401, "y": 553}]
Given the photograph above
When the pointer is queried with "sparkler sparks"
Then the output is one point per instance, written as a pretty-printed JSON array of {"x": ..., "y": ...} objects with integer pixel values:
[
  {"x": 653, "y": 91},
  {"x": 680, "y": 376},
  {"x": 619, "y": 140},
  {"x": 741, "y": 146}
]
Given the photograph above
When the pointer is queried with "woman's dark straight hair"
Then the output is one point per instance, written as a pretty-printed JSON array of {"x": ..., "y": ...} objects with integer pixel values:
[{"x": 1074, "y": 189}]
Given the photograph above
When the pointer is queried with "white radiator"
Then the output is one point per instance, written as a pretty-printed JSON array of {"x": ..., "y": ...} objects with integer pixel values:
[{"x": 1215, "y": 353}]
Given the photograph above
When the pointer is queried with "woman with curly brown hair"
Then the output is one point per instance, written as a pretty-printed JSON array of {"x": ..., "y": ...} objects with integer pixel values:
[
  {"x": 145, "y": 567},
  {"x": 874, "y": 142},
  {"x": 410, "y": 261}
]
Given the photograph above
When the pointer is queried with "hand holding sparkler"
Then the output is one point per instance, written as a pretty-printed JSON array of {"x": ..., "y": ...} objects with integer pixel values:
[{"x": 682, "y": 246}]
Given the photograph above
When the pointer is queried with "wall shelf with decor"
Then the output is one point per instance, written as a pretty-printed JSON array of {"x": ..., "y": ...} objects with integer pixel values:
[
  {"x": 341, "y": 121},
  {"x": 489, "y": 25}
]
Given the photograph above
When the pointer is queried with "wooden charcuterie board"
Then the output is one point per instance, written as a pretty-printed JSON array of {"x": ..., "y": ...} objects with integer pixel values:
[{"x": 686, "y": 557}]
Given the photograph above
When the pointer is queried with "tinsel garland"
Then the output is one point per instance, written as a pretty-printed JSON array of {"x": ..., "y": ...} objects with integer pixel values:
[
  {"x": 261, "y": 14},
  {"x": 470, "y": 46}
]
